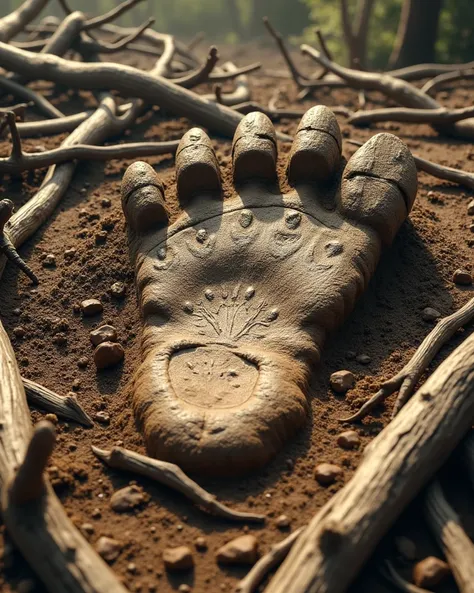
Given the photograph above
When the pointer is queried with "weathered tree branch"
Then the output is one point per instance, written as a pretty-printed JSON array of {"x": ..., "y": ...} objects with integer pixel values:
[
  {"x": 440, "y": 171},
  {"x": 396, "y": 465},
  {"x": 441, "y": 115},
  {"x": 63, "y": 406},
  {"x": 127, "y": 80},
  {"x": 26, "y": 94},
  {"x": 15, "y": 22},
  {"x": 442, "y": 79},
  {"x": 33, "y": 516},
  {"x": 448, "y": 531},
  {"x": 172, "y": 476},
  {"x": 6, "y": 246}
]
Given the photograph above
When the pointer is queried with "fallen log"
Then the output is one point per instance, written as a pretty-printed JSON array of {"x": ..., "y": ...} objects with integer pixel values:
[{"x": 396, "y": 465}]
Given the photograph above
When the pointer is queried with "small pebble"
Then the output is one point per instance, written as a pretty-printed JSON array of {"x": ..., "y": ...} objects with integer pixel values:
[
  {"x": 83, "y": 362},
  {"x": 241, "y": 550},
  {"x": 105, "y": 333},
  {"x": 105, "y": 203},
  {"x": 348, "y": 439},
  {"x": 87, "y": 528},
  {"x": 184, "y": 588},
  {"x": 327, "y": 473},
  {"x": 91, "y": 307},
  {"x": 282, "y": 522},
  {"x": 179, "y": 558},
  {"x": 342, "y": 381},
  {"x": 96, "y": 514},
  {"x": 462, "y": 277},
  {"x": 131, "y": 567},
  {"x": 430, "y": 314},
  {"x": 363, "y": 359},
  {"x": 127, "y": 499},
  {"x": 51, "y": 418},
  {"x": 471, "y": 228},
  {"x": 470, "y": 208},
  {"x": 70, "y": 253},
  {"x": 201, "y": 543},
  {"x": 118, "y": 290},
  {"x": 102, "y": 417},
  {"x": 108, "y": 548},
  {"x": 406, "y": 548},
  {"x": 49, "y": 261},
  {"x": 19, "y": 332},
  {"x": 430, "y": 572},
  {"x": 108, "y": 354}
]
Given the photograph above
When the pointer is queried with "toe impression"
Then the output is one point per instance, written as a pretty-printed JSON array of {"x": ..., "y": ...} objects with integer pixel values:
[
  {"x": 197, "y": 169},
  {"x": 143, "y": 198},
  {"x": 379, "y": 185},
  {"x": 316, "y": 151},
  {"x": 254, "y": 150}
]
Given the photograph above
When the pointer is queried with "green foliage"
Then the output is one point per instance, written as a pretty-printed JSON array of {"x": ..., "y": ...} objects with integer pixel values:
[{"x": 455, "y": 39}]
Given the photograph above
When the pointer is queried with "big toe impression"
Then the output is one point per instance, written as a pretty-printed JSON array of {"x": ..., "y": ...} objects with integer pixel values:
[
  {"x": 379, "y": 185},
  {"x": 218, "y": 410}
]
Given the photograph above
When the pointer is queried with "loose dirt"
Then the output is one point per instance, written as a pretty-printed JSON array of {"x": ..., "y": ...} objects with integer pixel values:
[{"x": 387, "y": 326}]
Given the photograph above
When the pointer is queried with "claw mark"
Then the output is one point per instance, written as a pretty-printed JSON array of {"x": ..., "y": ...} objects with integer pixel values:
[{"x": 232, "y": 318}]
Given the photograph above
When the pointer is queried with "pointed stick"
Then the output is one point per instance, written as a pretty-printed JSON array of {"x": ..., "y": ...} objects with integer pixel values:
[{"x": 171, "y": 475}]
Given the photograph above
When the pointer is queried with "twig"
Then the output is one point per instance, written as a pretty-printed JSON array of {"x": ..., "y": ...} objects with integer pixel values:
[
  {"x": 448, "y": 531},
  {"x": 64, "y": 406},
  {"x": 391, "y": 575},
  {"x": 436, "y": 170},
  {"x": 202, "y": 73},
  {"x": 50, "y": 127},
  {"x": 7, "y": 247},
  {"x": 406, "y": 379},
  {"x": 277, "y": 114},
  {"x": 172, "y": 476},
  {"x": 196, "y": 40},
  {"x": 396, "y": 465},
  {"x": 441, "y": 79},
  {"x": 107, "y": 17},
  {"x": 301, "y": 79},
  {"x": 101, "y": 46},
  {"x": 440, "y": 115},
  {"x": 239, "y": 95},
  {"x": 26, "y": 94},
  {"x": 272, "y": 559}
]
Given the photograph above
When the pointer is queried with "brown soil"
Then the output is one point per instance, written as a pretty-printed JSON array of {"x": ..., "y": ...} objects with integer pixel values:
[{"x": 386, "y": 325}]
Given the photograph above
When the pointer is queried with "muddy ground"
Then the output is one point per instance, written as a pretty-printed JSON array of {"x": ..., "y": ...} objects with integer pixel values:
[{"x": 416, "y": 272}]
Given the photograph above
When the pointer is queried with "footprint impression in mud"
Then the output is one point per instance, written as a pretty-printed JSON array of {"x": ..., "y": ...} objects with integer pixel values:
[{"x": 237, "y": 296}]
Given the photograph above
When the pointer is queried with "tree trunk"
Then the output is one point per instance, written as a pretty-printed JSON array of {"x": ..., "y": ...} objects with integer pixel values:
[{"x": 417, "y": 32}]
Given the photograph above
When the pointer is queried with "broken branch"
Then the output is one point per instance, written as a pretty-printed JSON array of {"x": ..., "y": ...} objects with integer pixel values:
[
  {"x": 406, "y": 379},
  {"x": 441, "y": 115},
  {"x": 63, "y": 406},
  {"x": 172, "y": 476}
]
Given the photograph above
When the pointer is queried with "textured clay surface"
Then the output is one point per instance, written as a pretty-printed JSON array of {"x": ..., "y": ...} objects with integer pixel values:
[{"x": 237, "y": 297}]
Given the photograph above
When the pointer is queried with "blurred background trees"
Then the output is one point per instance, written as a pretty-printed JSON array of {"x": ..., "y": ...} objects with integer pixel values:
[{"x": 365, "y": 33}]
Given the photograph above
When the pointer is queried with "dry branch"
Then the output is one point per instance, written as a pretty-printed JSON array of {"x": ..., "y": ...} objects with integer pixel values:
[
  {"x": 26, "y": 94},
  {"x": 271, "y": 560},
  {"x": 442, "y": 79},
  {"x": 438, "y": 116},
  {"x": 32, "y": 514},
  {"x": 172, "y": 476},
  {"x": 6, "y": 246},
  {"x": 128, "y": 81},
  {"x": 396, "y": 465},
  {"x": 15, "y": 22},
  {"x": 399, "y": 90},
  {"x": 448, "y": 531},
  {"x": 63, "y": 406},
  {"x": 406, "y": 379},
  {"x": 436, "y": 170},
  {"x": 50, "y": 127}
]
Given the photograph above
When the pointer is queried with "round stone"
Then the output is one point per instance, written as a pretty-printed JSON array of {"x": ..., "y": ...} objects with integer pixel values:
[{"x": 342, "y": 381}]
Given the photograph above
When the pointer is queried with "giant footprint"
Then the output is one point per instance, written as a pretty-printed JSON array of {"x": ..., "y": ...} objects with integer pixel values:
[{"x": 237, "y": 296}]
